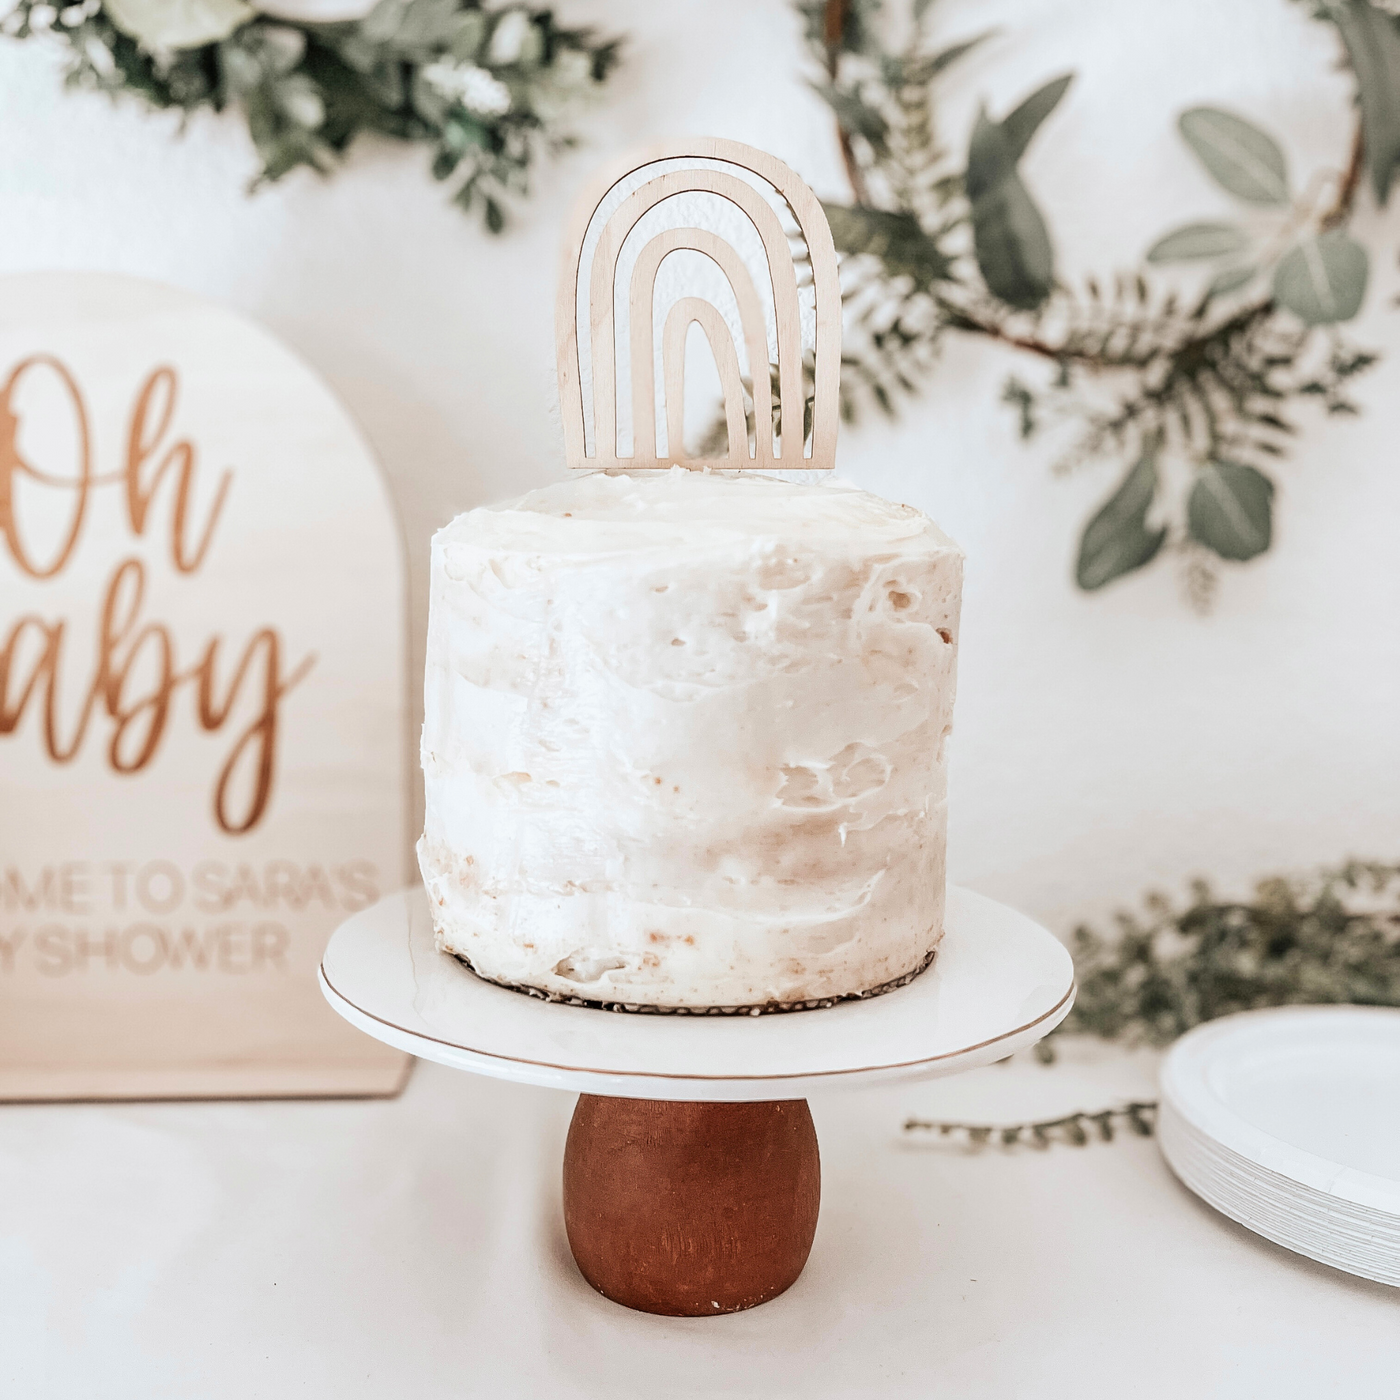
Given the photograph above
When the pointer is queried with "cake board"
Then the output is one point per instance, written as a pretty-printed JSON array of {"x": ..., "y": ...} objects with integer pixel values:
[{"x": 691, "y": 1170}]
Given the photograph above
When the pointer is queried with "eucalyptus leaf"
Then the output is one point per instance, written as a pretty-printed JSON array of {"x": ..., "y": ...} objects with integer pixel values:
[
  {"x": 1024, "y": 121},
  {"x": 921, "y": 71},
  {"x": 160, "y": 25},
  {"x": 1230, "y": 510},
  {"x": 468, "y": 36},
  {"x": 463, "y": 132},
  {"x": 856, "y": 116},
  {"x": 1323, "y": 280},
  {"x": 898, "y": 240},
  {"x": 281, "y": 47},
  {"x": 351, "y": 104},
  {"x": 1012, "y": 245},
  {"x": 386, "y": 84},
  {"x": 1010, "y": 239},
  {"x": 430, "y": 104},
  {"x": 358, "y": 53},
  {"x": 1196, "y": 241},
  {"x": 989, "y": 159},
  {"x": 1231, "y": 279},
  {"x": 1117, "y": 541},
  {"x": 382, "y": 22},
  {"x": 426, "y": 25},
  {"x": 241, "y": 70},
  {"x": 945, "y": 58},
  {"x": 1373, "y": 46},
  {"x": 300, "y": 100},
  {"x": 1241, "y": 158}
]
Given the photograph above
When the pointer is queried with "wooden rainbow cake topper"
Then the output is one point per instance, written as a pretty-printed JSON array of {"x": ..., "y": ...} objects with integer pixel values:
[{"x": 791, "y": 400}]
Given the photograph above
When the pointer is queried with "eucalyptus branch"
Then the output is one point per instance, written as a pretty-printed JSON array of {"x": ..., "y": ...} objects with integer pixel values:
[
  {"x": 486, "y": 92},
  {"x": 833, "y": 32},
  {"x": 1345, "y": 201},
  {"x": 985, "y": 322}
]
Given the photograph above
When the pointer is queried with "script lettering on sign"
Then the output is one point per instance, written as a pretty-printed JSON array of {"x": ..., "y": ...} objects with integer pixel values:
[
  {"x": 202, "y": 691},
  {"x": 122, "y": 695}
]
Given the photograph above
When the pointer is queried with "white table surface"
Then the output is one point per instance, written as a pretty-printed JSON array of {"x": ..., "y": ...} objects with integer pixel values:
[{"x": 415, "y": 1249}]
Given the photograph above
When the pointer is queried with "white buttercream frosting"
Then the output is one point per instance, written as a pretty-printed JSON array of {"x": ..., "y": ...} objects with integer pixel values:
[{"x": 684, "y": 738}]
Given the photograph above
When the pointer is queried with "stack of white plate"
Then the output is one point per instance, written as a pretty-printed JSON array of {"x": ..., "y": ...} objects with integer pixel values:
[{"x": 1288, "y": 1121}]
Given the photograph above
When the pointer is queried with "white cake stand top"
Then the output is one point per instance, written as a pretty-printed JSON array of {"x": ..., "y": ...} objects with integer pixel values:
[{"x": 999, "y": 983}]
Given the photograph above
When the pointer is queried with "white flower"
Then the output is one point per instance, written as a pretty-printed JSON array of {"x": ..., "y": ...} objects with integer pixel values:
[
  {"x": 508, "y": 37},
  {"x": 477, "y": 90},
  {"x": 41, "y": 17},
  {"x": 316, "y": 11},
  {"x": 178, "y": 24}
]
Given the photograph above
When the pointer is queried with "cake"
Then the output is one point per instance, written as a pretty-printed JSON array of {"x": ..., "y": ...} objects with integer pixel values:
[{"x": 685, "y": 740}]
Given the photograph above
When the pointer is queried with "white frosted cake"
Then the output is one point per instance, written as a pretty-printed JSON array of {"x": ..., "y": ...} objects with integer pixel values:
[{"x": 684, "y": 744}]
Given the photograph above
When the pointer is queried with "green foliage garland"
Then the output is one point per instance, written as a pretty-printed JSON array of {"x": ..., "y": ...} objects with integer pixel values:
[
  {"x": 1193, "y": 395},
  {"x": 1334, "y": 939},
  {"x": 484, "y": 90}
]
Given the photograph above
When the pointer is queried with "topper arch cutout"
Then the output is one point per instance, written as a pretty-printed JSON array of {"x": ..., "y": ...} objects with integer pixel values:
[{"x": 782, "y": 271}]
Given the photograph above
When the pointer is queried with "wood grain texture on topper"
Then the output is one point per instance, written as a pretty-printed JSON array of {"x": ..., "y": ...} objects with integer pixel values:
[
  {"x": 685, "y": 313},
  {"x": 821, "y": 253},
  {"x": 691, "y": 1209}
]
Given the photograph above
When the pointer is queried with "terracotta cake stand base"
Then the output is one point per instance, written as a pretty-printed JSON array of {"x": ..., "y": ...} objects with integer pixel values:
[
  {"x": 691, "y": 1174},
  {"x": 691, "y": 1209}
]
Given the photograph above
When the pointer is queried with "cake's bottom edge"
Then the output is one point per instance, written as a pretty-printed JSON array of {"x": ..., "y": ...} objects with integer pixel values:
[{"x": 766, "y": 1008}]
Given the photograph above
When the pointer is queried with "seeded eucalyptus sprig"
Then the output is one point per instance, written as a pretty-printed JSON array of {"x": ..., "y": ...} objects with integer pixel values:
[
  {"x": 485, "y": 91},
  {"x": 1188, "y": 370}
]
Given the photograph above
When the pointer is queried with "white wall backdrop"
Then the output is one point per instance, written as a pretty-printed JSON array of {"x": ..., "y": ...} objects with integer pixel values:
[{"x": 1104, "y": 744}]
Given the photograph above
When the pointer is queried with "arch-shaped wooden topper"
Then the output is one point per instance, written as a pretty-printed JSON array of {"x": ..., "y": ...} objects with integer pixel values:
[{"x": 782, "y": 272}]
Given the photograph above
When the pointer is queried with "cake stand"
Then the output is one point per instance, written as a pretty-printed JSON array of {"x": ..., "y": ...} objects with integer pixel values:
[{"x": 691, "y": 1172}]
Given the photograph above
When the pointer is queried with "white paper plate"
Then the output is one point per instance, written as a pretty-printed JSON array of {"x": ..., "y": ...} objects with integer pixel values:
[
  {"x": 999, "y": 983},
  {"x": 1288, "y": 1121}
]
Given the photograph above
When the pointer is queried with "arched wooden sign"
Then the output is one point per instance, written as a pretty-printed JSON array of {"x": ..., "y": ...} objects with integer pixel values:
[
  {"x": 202, "y": 667},
  {"x": 792, "y": 399}
]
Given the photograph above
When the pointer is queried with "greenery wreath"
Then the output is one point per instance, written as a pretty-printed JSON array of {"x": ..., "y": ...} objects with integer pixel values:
[
  {"x": 488, "y": 91},
  {"x": 1190, "y": 389}
]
